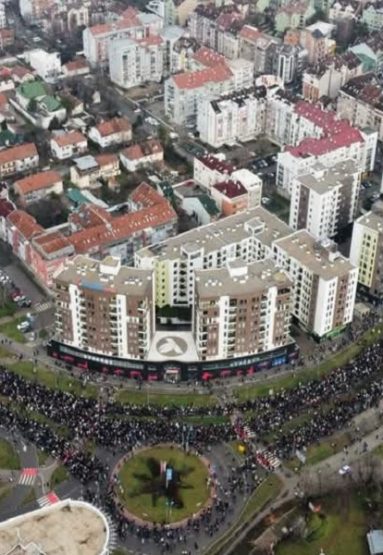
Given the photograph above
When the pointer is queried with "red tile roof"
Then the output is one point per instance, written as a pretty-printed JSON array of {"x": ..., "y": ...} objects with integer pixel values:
[
  {"x": 136, "y": 152},
  {"x": 106, "y": 159},
  {"x": 213, "y": 163},
  {"x": 3, "y": 100},
  {"x": 52, "y": 241},
  {"x": 115, "y": 125},
  {"x": 208, "y": 57},
  {"x": 250, "y": 33},
  {"x": 196, "y": 79},
  {"x": 105, "y": 28},
  {"x": 6, "y": 207},
  {"x": 70, "y": 138},
  {"x": 145, "y": 196},
  {"x": 74, "y": 65},
  {"x": 25, "y": 223},
  {"x": 37, "y": 181},
  {"x": 150, "y": 40},
  {"x": 231, "y": 189},
  {"x": 122, "y": 227},
  {"x": 337, "y": 133},
  {"x": 19, "y": 152}
]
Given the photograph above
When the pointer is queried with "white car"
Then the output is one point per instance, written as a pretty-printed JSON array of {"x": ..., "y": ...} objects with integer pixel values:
[
  {"x": 346, "y": 469},
  {"x": 24, "y": 326},
  {"x": 266, "y": 200}
]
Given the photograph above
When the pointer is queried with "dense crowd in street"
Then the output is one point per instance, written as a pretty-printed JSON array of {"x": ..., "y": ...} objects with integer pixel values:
[{"x": 67, "y": 421}]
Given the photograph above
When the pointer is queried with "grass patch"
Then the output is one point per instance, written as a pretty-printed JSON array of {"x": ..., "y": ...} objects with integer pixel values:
[
  {"x": 378, "y": 451},
  {"x": 127, "y": 396},
  {"x": 143, "y": 490},
  {"x": 42, "y": 457},
  {"x": 266, "y": 492},
  {"x": 51, "y": 379},
  {"x": 9, "y": 309},
  {"x": 5, "y": 490},
  {"x": 59, "y": 475},
  {"x": 290, "y": 381},
  {"x": 318, "y": 452},
  {"x": 9, "y": 458},
  {"x": 340, "y": 530},
  {"x": 10, "y": 330}
]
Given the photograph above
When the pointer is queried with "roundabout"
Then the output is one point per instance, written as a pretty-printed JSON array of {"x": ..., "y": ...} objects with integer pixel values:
[{"x": 163, "y": 485}]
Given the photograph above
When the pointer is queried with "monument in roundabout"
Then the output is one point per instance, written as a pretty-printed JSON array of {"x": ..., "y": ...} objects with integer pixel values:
[{"x": 163, "y": 484}]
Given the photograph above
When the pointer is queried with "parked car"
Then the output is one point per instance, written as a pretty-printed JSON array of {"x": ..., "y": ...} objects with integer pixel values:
[{"x": 24, "y": 326}]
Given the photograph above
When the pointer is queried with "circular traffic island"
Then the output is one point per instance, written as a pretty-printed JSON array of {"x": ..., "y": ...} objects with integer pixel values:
[{"x": 163, "y": 485}]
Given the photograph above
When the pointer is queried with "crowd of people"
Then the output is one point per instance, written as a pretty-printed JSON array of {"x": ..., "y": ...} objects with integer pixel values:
[{"x": 67, "y": 421}]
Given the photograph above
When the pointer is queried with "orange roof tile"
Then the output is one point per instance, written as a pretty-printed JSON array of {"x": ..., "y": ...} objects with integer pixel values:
[
  {"x": 80, "y": 63},
  {"x": 196, "y": 79},
  {"x": 18, "y": 152},
  {"x": 71, "y": 138},
  {"x": 52, "y": 241},
  {"x": 146, "y": 196},
  {"x": 248, "y": 32},
  {"x": 25, "y": 223},
  {"x": 150, "y": 40},
  {"x": 208, "y": 57},
  {"x": 3, "y": 99},
  {"x": 115, "y": 125},
  {"x": 105, "y": 28},
  {"x": 37, "y": 181},
  {"x": 135, "y": 152},
  {"x": 106, "y": 159}
]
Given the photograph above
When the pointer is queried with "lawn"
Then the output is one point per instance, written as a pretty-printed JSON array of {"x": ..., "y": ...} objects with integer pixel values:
[
  {"x": 318, "y": 452},
  {"x": 42, "y": 457},
  {"x": 5, "y": 489},
  {"x": 8, "y": 309},
  {"x": 127, "y": 396},
  {"x": 341, "y": 531},
  {"x": 290, "y": 381},
  {"x": 8, "y": 456},
  {"x": 59, "y": 475},
  {"x": 143, "y": 490},
  {"x": 52, "y": 379},
  {"x": 10, "y": 330}
]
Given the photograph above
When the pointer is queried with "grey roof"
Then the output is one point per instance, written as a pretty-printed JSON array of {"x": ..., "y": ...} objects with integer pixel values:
[
  {"x": 322, "y": 179},
  {"x": 106, "y": 275},
  {"x": 87, "y": 162},
  {"x": 372, "y": 220},
  {"x": 257, "y": 222},
  {"x": 375, "y": 542},
  {"x": 239, "y": 278},
  {"x": 318, "y": 257}
]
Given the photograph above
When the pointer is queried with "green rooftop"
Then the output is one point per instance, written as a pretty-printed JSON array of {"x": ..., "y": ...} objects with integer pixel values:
[
  {"x": 50, "y": 103},
  {"x": 32, "y": 89},
  {"x": 209, "y": 204},
  {"x": 76, "y": 196}
]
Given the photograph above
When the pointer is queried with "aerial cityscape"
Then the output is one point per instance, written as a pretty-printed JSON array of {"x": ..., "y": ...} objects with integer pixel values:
[{"x": 191, "y": 277}]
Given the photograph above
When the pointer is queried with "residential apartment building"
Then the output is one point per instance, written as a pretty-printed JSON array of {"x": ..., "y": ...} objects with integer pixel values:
[
  {"x": 239, "y": 116},
  {"x": 104, "y": 307},
  {"x": 316, "y": 40},
  {"x": 335, "y": 141},
  {"x": 132, "y": 24},
  {"x": 217, "y": 28},
  {"x": 324, "y": 283},
  {"x": 140, "y": 155},
  {"x": 327, "y": 77},
  {"x": 33, "y": 11},
  {"x": 247, "y": 235},
  {"x": 68, "y": 144},
  {"x": 241, "y": 309},
  {"x": 372, "y": 16},
  {"x": 133, "y": 62},
  {"x": 361, "y": 102},
  {"x": 259, "y": 48},
  {"x": 325, "y": 200},
  {"x": 87, "y": 171},
  {"x": 18, "y": 159},
  {"x": 293, "y": 15},
  {"x": 37, "y": 186},
  {"x": 367, "y": 251},
  {"x": 183, "y": 91},
  {"x": 209, "y": 169},
  {"x": 111, "y": 132}
]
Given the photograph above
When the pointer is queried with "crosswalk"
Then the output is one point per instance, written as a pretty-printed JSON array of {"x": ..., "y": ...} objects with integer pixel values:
[
  {"x": 28, "y": 476},
  {"x": 42, "y": 307},
  {"x": 49, "y": 499},
  {"x": 267, "y": 459}
]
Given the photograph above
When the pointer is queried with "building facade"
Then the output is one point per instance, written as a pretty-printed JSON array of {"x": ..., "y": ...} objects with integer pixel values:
[
  {"x": 104, "y": 307},
  {"x": 367, "y": 252},
  {"x": 324, "y": 283},
  {"x": 325, "y": 200}
]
